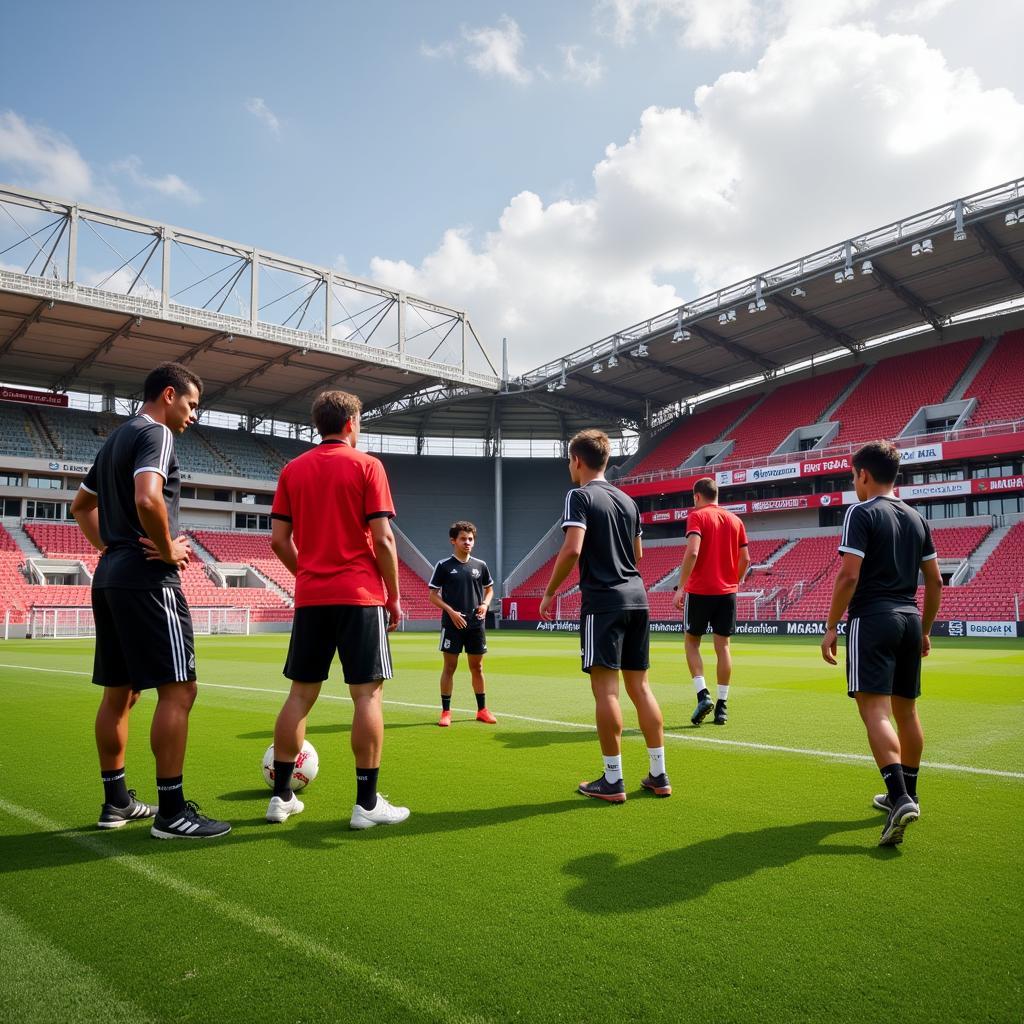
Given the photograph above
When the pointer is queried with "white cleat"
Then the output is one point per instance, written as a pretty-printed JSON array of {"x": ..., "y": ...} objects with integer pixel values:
[
  {"x": 280, "y": 809},
  {"x": 383, "y": 813}
]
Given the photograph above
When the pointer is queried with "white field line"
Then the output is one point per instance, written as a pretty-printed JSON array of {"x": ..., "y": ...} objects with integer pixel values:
[
  {"x": 385, "y": 985},
  {"x": 830, "y": 755}
]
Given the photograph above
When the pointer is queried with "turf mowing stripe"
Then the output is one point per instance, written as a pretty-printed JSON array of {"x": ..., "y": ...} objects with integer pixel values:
[
  {"x": 404, "y": 994},
  {"x": 742, "y": 744}
]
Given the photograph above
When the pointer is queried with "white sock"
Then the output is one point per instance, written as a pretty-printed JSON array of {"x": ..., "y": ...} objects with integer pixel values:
[
  {"x": 613, "y": 768},
  {"x": 699, "y": 684},
  {"x": 723, "y": 691},
  {"x": 657, "y": 756}
]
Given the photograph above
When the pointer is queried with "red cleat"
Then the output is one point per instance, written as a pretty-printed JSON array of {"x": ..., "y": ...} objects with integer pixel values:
[
  {"x": 483, "y": 715},
  {"x": 445, "y": 720}
]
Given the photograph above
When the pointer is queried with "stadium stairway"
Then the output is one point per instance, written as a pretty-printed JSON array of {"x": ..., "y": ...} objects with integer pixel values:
[
  {"x": 959, "y": 389},
  {"x": 22, "y": 539},
  {"x": 980, "y": 555}
]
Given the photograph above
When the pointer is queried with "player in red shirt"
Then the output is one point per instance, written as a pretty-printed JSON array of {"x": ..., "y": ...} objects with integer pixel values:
[
  {"x": 332, "y": 528},
  {"x": 714, "y": 564}
]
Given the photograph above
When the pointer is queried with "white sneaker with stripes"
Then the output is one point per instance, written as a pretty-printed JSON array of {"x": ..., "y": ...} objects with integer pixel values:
[
  {"x": 382, "y": 813},
  {"x": 280, "y": 809},
  {"x": 188, "y": 824}
]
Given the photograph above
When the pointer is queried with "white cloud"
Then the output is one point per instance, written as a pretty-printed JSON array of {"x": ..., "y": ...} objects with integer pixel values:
[
  {"x": 837, "y": 129},
  {"x": 577, "y": 68},
  {"x": 922, "y": 10},
  {"x": 443, "y": 51},
  {"x": 169, "y": 185},
  {"x": 496, "y": 50},
  {"x": 259, "y": 109},
  {"x": 710, "y": 24},
  {"x": 43, "y": 160}
]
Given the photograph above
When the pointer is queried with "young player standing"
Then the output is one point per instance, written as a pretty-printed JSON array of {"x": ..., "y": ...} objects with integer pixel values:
[
  {"x": 462, "y": 588},
  {"x": 714, "y": 564},
  {"x": 331, "y": 527},
  {"x": 602, "y": 533},
  {"x": 885, "y": 544},
  {"x": 128, "y": 510}
]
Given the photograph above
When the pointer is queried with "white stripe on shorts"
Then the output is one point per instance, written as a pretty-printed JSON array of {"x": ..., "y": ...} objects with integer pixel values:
[{"x": 174, "y": 634}]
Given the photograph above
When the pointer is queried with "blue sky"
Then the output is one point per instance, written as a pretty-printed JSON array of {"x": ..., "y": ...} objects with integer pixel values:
[{"x": 396, "y": 137}]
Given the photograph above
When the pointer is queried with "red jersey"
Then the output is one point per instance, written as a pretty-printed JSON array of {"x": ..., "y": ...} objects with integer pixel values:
[
  {"x": 329, "y": 495},
  {"x": 722, "y": 534}
]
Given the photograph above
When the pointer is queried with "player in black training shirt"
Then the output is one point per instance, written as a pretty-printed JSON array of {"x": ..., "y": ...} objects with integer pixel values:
[
  {"x": 462, "y": 588},
  {"x": 602, "y": 532},
  {"x": 128, "y": 510},
  {"x": 885, "y": 544}
]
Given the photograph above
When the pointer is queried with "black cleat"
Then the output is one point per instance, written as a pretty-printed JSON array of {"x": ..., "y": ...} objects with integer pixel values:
[
  {"x": 188, "y": 824},
  {"x": 602, "y": 789},
  {"x": 899, "y": 818},
  {"x": 881, "y": 802},
  {"x": 721, "y": 713},
  {"x": 704, "y": 708},
  {"x": 657, "y": 784},
  {"x": 116, "y": 817}
]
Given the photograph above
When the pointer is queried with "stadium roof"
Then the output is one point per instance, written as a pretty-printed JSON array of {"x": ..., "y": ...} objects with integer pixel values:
[{"x": 76, "y": 313}]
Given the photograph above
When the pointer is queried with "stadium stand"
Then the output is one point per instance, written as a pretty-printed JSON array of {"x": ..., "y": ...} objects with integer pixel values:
[
  {"x": 885, "y": 400},
  {"x": 999, "y": 384},
  {"x": 682, "y": 441},
  {"x": 19, "y": 434},
  {"x": 991, "y": 592},
  {"x": 792, "y": 405},
  {"x": 75, "y": 433}
]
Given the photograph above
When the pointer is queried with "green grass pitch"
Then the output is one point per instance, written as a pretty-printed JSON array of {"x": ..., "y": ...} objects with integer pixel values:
[{"x": 755, "y": 893}]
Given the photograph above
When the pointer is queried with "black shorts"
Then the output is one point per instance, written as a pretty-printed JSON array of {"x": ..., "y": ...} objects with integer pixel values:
[
  {"x": 455, "y": 641},
  {"x": 143, "y": 638},
  {"x": 356, "y": 633},
  {"x": 883, "y": 655},
  {"x": 715, "y": 610},
  {"x": 619, "y": 640}
]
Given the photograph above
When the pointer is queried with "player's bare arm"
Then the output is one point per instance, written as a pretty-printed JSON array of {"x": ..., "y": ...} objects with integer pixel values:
[
  {"x": 689, "y": 561},
  {"x": 568, "y": 556},
  {"x": 932, "y": 600},
  {"x": 385, "y": 551},
  {"x": 282, "y": 543},
  {"x": 744, "y": 563},
  {"x": 842, "y": 594},
  {"x": 159, "y": 544},
  {"x": 458, "y": 619},
  {"x": 86, "y": 511}
]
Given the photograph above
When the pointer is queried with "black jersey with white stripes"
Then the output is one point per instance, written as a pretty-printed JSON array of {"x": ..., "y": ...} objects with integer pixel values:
[
  {"x": 893, "y": 540},
  {"x": 140, "y": 445}
]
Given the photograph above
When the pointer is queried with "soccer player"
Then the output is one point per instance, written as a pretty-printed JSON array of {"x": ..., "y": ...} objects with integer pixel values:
[
  {"x": 885, "y": 544},
  {"x": 602, "y": 533},
  {"x": 714, "y": 563},
  {"x": 462, "y": 588},
  {"x": 128, "y": 510},
  {"x": 331, "y": 528}
]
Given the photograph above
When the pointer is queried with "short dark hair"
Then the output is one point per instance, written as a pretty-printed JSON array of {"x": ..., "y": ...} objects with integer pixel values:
[
  {"x": 881, "y": 459},
  {"x": 592, "y": 447},
  {"x": 706, "y": 488},
  {"x": 333, "y": 409},
  {"x": 169, "y": 375},
  {"x": 461, "y": 526}
]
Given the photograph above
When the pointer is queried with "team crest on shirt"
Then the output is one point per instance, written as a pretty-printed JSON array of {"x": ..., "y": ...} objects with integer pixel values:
[{"x": 476, "y": 572}]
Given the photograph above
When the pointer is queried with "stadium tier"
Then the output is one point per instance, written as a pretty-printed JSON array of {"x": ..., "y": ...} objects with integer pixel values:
[
  {"x": 999, "y": 384},
  {"x": 996, "y": 589}
]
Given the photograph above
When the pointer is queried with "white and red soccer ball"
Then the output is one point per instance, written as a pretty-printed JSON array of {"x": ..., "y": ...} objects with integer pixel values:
[{"x": 307, "y": 764}]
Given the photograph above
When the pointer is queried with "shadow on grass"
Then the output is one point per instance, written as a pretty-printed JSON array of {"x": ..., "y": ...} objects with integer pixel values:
[
  {"x": 677, "y": 876},
  {"x": 333, "y": 728},
  {"x": 544, "y": 738}
]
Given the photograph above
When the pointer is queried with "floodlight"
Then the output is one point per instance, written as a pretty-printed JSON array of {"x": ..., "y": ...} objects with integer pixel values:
[
  {"x": 926, "y": 246},
  {"x": 303, "y": 352},
  {"x": 551, "y": 387},
  {"x": 138, "y": 321},
  {"x": 686, "y": 335},
  {"x": 798, "y": 292},
  {"x": 640, "y": 351},
  {"x": 959, "y": 235},
  {"x": 612, "y": 361},
  {"x": 231, "y": 338},
  {"x": 596, "y": 368},
  {"x": 839, "y": 277},
  {"x": 751, "y": 307},
  {"x": 867, "y": 267},
  {"x": 731, "y": 315},
  {"x": 678, "y": 336},
  {"x": 722, "y": 318},
  {"x": 1010, "y": 220},
  {"x": 761, "y": 305}
]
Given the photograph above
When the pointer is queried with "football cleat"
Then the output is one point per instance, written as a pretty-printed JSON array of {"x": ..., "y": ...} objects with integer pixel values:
[
  {"x": 704, "y": 708},
  {"x": 721, "y": 713},
  {"x": 382, "y": 813},
  {"x": 483, "y": 715},
  {"x": 903, "y": 814},
  {"x": 657, "y": 784},
  {"x": 445, "y": 720},
  {"x": 116, "y": 817},
  {"x": 881, "y": 802},
  {"x": 602, "y": 789},
  {"x": 280, "y": 809},
  {"x": 188, "y": 824}
]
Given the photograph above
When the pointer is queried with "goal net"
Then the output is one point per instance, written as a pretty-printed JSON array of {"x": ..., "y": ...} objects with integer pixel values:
[{"x": 66, "y": 623}]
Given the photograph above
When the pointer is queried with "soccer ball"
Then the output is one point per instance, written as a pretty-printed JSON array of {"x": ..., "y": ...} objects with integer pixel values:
[{"x": 307, "y": 764}]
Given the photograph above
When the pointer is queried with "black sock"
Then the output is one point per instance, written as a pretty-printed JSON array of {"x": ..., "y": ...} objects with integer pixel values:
[
  {"x": 283, "y": 779},
  {"x": 893, "y": 776},
  {"x": 366, "y": 787},
  {"x": 446, "y": 702},
  {"x": 910, "y": 779},
  {"x": 115, "y": 789},
  {"x": 704, "y": 694},
  {"x": 170, "y": 795},
  {"x": 481, "y": 701}
]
